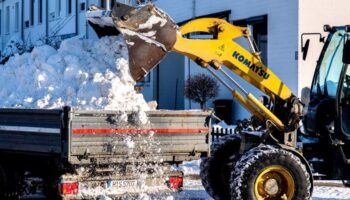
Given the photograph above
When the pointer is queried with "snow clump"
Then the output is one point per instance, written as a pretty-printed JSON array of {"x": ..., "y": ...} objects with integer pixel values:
[{"x": 84, "y": 74}]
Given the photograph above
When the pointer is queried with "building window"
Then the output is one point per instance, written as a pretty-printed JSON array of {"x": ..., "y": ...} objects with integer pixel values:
[
  {"x": 8, "y": 19},
  {"x": 259, "y": 28},
  {"x": 31, "y": 12},
  {"x": 82, "y": 6},
  {"x": 40, "y": 8},
  {"x": 103, "y": 3},
  {"x": 69, "y": 6}
]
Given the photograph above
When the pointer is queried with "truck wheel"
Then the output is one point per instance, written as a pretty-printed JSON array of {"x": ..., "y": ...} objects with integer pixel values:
[
  {"x": 10, "y": 187},
  {"x": 2, "y": 183},
  {"x": 266, "y": 172},
  {"x": 215, "y": 171},
  {"x": 346, "y": 183},
  {"x": 50, "y": 187}
]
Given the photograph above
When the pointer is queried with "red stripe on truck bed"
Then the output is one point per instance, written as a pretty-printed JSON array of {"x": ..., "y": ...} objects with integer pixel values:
[{"x": 134, "y": 130}]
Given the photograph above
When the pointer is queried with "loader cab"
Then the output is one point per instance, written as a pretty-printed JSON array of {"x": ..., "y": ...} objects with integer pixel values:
[
  {"x": 328, "y": 115},
  {"x": 329, "y": 107},
  {"x": 344, "y": 96}
]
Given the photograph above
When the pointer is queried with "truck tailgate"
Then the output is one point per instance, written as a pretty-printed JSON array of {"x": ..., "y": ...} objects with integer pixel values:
[
  {"x": 30, "y": 130},
  {"x": 181, "y": 135}
]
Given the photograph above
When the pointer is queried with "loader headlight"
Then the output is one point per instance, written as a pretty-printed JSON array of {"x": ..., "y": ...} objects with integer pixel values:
[
  {"x": 347, "y": 28},
  {"x": 327, "y": 28}
]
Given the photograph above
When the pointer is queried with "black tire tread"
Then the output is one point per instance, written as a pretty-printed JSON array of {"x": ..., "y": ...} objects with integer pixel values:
[
  {"x": 223, "y": 153},
  {"x": 248, "y": 163}
]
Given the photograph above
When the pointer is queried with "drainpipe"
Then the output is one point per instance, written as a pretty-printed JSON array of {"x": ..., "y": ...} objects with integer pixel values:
[
  {"x": 2, "y": 25},
  {"x": 86, "y": 23},
  {"x": 76, "y": 18},
  {"x": 47, "y": 21},
  {"x": 22, "y": 20}
]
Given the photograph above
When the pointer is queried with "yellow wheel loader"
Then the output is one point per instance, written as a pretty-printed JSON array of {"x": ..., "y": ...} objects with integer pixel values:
[{"x": 265, "y": 163}]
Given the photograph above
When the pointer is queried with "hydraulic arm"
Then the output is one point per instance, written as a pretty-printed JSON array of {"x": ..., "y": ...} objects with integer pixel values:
[
  {"x": 151, "y": 33},
  {"x": 224, "y": 50}
]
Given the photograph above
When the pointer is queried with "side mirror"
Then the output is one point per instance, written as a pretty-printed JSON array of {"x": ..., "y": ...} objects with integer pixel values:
[
  {"x": 346, "y": 52},
  {"x": 305, "y": 48}
]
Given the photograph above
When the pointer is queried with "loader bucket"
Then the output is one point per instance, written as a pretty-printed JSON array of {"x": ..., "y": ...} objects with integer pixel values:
[{"x": 148, "y": 32}]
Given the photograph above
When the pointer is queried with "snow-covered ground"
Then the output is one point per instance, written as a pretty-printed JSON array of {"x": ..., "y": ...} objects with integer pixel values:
[
  {"x": 331, "y": 193},
  {"x": 193, "y": 189}
]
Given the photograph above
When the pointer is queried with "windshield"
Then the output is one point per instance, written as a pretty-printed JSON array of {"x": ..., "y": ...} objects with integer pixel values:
[{"x": 326, "y": 82}]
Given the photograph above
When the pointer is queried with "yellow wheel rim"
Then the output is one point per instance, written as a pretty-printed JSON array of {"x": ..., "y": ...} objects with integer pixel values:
[{"x": 274, "y": 182}]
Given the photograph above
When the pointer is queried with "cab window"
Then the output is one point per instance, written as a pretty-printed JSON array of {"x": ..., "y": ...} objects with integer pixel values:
[{"x": 326, "y": 83}]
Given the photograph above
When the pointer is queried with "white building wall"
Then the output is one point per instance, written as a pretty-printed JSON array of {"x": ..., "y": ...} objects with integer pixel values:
[
  {"x": 313, "y": 14},
  {"x": 182, "y": 10}
]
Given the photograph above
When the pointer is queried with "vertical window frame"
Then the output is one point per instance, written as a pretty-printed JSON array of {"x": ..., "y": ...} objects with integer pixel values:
[
  {"x": 31, "y": 12},
  {"x": 7, "y": 23},
  {"x": 17, "y": 16},
  {"x": 40, "y": 11},
  {"x": 1, "y": 21}
]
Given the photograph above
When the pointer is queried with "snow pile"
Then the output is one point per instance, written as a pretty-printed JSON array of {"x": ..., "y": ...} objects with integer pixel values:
[
  {"x": 84, "y": 74},
  {"x": 190, "y": 167}
]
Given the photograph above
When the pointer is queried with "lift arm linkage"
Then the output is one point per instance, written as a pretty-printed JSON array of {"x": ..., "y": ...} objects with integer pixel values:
[{"x": 224, "y": 50}]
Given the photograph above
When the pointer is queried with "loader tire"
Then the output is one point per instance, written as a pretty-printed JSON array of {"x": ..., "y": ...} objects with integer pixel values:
[
  {"x": 266, "y": 172},
  {"x": 215, "y": 170}
]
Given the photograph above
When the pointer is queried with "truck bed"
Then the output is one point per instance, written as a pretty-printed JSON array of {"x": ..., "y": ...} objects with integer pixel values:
[{"x": 82, "y": 137}]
